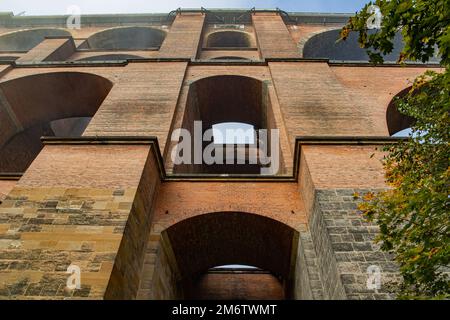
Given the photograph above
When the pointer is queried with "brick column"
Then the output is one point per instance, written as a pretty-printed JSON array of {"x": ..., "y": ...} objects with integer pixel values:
[
  {"x": 51, "y": 49},
  {"x": 273, "y": 37},
  {"x": 142, "y": 102},
  {"x": 183, "y": 39}
]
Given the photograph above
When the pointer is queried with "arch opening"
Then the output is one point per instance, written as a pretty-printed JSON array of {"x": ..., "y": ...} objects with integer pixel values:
[
  {"x": 325, "y": 45},
  {"x": 228, "y": 39},
  {"x": 125, "y": 38},
  {"x": 51, "y": 104},
  {"x": 26, "y": 40},
  {"x": 399, "y": 125},
  {"x": 217, "y": 102},
  {"x": 262, "y": 248}
]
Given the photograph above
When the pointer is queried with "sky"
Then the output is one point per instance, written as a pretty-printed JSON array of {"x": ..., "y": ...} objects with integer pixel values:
[{"x": 49, "y": 7}]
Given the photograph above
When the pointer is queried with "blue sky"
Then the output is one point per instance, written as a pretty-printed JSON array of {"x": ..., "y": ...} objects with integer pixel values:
[{"x": 39, "y": 7}]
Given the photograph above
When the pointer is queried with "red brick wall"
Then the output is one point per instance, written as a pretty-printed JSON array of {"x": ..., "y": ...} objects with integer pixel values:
[
  {"x": 273, "y": 37},
  {"x": 246, "y": 286},
  {"x": 184, "y": 37}
]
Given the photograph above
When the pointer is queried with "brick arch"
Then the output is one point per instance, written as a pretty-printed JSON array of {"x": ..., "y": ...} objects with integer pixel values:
[
  {"x": 234, "y": 97},
  {"x": 230, "y": 58},
  {"x": 29, "y": 104},
  {"x": 229, "y": 39},
  {"x": 222, "y": 238},
  {"x": 110, "y": 57},
  {"x": 24, "y": 40},
  {"x": 221, "y": 99},
  {"x": 395, "y": 120},
  {"x": 125, "y": 38},
  {"x": 324, "y": 45},
  {"x": 305, "y": 39},
  {"x": 262, "y": 77}
]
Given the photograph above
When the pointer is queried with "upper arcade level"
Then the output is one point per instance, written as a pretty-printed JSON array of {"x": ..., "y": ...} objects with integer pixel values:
[{"x": 239, "y": 36}]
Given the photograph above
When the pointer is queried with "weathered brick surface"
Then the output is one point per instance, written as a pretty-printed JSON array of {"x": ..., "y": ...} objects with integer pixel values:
[
  {"x": 273, "y": 37},
  {"x": 50, "y": 50},
  {"x": 100, "y": 166},
  {"x": 374, "y": 88},
  {"x": 343, "y": 166},
  {"x": 141, "y": 103},
  {"x": 237, "y": 286},
  {"x": 314, "y": 102},
  {"x": 176, "y": 203},
  {"x": 5, "y": 187},
  {"x": 184, "y": 37}
]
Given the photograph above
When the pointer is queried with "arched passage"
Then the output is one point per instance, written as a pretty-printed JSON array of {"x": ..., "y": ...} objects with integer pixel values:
[
  {"x": 228, "y": 39},
  {"x": 59, "y": 103},
  {"x": 195, "y": 245},
  {"x": 25, "y": 40},
  {"x": 125, "y": 38},
  {"x": 397, "y": 122},
  {"x": 226, "y": 99},
  {"x": 325, "y": 45}
]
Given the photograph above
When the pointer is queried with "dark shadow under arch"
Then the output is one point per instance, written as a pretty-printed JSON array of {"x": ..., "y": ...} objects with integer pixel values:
[
  {"x": 36, "y": 103},
  {"x": 25, "y": 40},
  {"x": 228, "y": 98},
  {"x": 231, "y": 58},
  {"x": 396, "y": 121},
  {"x": 110, "y": 57},
  {"x": 223, "y": 99},
  {"x": 125, "y": 38},
  {"x": 324, "y": 46},
  {"x": 228, "y": 39},
  {"x": 224, "y": 238},
  {"x": 8, "y": 58}
]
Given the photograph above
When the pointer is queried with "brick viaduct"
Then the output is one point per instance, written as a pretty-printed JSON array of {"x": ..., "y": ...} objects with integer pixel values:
[{"x": 99, "y": 190}]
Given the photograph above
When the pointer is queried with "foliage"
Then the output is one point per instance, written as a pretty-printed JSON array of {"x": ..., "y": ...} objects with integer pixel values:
[
  {"x": 424, "y": 25},
  {"x": 414, "y": 213}
]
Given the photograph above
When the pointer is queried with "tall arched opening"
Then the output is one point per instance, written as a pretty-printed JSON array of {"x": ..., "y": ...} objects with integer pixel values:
[
  {"x": 188, "y": 253},
  {"x": 50, "y": 104},
  {"x": 228, "y": 99}
]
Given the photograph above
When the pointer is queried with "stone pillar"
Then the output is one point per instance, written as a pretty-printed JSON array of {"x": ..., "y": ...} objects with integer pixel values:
[
  {"x": 331, "y": 178},
  {"x": 85, "y": 203}
]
